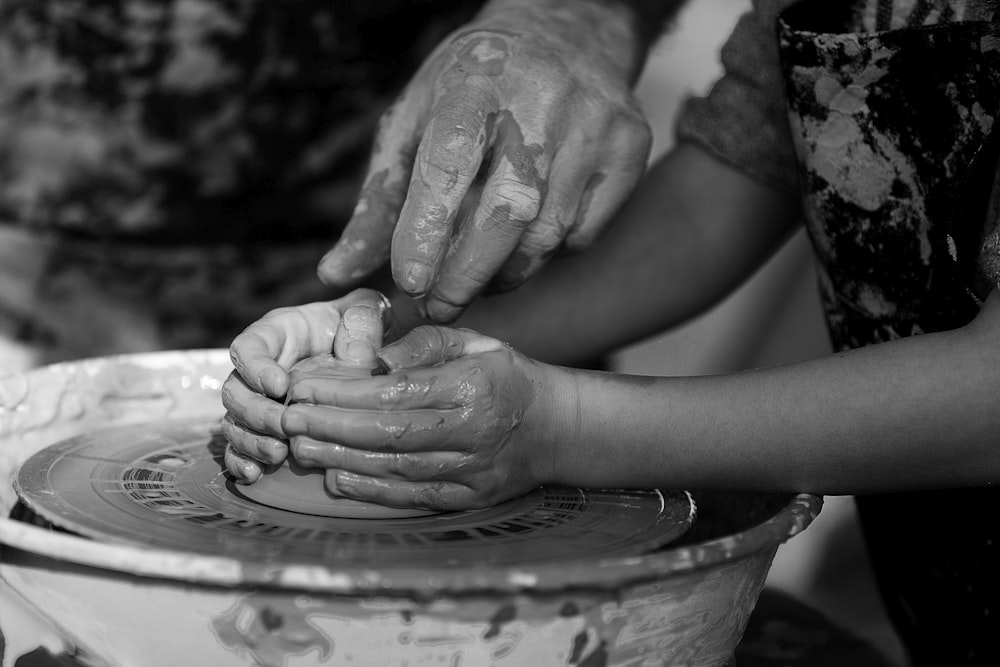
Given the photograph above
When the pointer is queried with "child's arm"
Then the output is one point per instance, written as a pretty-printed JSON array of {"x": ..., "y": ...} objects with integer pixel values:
[
  {"x": 692, "y": 232},
  {"x": 471, "y": 422}
]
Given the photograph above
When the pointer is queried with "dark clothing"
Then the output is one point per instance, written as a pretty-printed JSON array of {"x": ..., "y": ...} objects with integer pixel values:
[
  {"x": 170, "y": 171},
  {"x": 893, "y": 130}
]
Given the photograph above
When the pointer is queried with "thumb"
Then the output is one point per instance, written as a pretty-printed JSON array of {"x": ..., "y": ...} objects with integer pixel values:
[{"x": 431, "y": 345}]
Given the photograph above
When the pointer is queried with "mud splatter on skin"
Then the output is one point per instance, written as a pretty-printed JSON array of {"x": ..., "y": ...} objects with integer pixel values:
[
  {"x": 529, "y": 161},
  {"x": 487, "y": 55},
  {"x": 518, "y": 170}
]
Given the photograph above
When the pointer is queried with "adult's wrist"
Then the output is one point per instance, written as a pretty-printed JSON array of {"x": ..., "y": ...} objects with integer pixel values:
[{"x": 616, "y": 32}]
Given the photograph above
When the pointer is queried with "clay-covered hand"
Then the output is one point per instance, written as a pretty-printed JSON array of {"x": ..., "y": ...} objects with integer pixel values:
[
  {"x": 266, "y": 352},
  {"x": 519, "y": 135},
  {"x": 460, "y": 421}
]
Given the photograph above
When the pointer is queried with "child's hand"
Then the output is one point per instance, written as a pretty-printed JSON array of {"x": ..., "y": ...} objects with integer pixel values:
[
  {"x": 264, "y": 354},
  {"x": 461, "y": 421}
]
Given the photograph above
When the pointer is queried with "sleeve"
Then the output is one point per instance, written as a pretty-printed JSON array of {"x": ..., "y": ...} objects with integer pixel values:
[{"x": 743, "y": 120}]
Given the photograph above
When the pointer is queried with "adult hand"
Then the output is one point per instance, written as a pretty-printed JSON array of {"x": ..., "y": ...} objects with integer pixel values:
[
  {"x": 265, "y": 353},
  {"x": 461, "y": 421},
  {"x": 517, "y": 136}
]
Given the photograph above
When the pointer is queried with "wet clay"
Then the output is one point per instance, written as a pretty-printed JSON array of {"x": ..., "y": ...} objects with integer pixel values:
[{"x": 296, "y": 488}]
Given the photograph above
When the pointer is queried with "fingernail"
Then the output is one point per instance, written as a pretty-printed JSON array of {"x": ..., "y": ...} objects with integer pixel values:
[
  {"x": 275, "y": 452},
  {"x": 415, "y": 277},
  {"x": 331, "y": 483},
  {"x": 292, "y": 422},
  {"x": 306, "y": 453},
  {"x": 337, "y": 268},
  {"x": 249, "y": 472},
  {"x": 346, "y": 481},
  {"x": 269, "y": 383}
]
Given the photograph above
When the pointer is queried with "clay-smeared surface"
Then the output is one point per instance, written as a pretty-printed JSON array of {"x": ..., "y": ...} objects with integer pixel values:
[
  {"x": 685, "y": 605},
  {"x": 162, "y": 485}
]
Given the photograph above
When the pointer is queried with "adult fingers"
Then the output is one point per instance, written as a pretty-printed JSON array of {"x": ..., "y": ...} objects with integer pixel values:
[
  {"x": 364, "y": 244},
  {"x": 254, "y": 410},
  {"x": 571, "y": 169},
  {"x": 610, "y": 186},
  {"x": 425, "y": 466},
  {"x": 380, "y": 431},
  {"x": 510, "y": 201},
  {"x": 250, "y": 444},
  {"x": 444, "y": 496},
  {"x": 447, "y": 161}
]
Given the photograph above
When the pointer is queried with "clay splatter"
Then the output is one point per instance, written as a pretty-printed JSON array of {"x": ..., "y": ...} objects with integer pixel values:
[
  {"x": 505, "y": 614},
  {"x": 270, "y": 630}
]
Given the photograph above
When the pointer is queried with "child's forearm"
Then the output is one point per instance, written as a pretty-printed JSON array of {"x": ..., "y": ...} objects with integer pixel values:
[
  {"x": 915, "y": 413},
  {"x": 694, "y": 230}
]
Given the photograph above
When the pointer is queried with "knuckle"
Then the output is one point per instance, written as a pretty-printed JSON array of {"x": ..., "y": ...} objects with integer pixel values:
[
  {"x": 458, "y": 140},
  {"x": 428, "y": 337},
  {"x": 457, "y": 291},
  {"x": 512, "y": 208},
  {"x": 544, "y": 236},
  {"x": 481, "y": 385},
  {"x": 633, "y": 141},
  {"x": 451, "y": 169},
  {"x": 404, "y": 466}
]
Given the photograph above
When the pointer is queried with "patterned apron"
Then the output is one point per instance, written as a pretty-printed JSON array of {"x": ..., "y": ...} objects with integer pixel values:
[{"x": 894, "y": 133}]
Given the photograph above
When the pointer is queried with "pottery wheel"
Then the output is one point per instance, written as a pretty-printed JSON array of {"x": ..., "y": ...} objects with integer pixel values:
[{"x": 164, "y": 485}]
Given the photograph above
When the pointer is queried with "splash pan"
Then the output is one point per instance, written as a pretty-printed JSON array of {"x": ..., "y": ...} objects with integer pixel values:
[
  {"x": 163, "y": 485},
  {"x": 165, "y": 563}
]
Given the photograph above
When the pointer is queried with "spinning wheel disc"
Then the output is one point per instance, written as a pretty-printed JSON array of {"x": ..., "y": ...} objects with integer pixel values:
[{"x": 164, "y": 485}]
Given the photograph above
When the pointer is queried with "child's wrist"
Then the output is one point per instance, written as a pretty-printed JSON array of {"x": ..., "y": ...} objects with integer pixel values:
[{"x": 557, "y": 412}]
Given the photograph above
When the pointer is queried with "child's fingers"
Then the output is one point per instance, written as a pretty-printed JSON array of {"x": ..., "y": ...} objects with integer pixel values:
[
  {"x": 251, "y": 444},
  {"x": 431, "y": 345},
  {"x": 254, "y": 410},
  {"x": 422, "y": 467},
  {"x": 378, "y": 431},
  {"x": 254, "y": 353},
  {"x": 246, "y": 471},
  {"x": 444, "y": 496}
]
